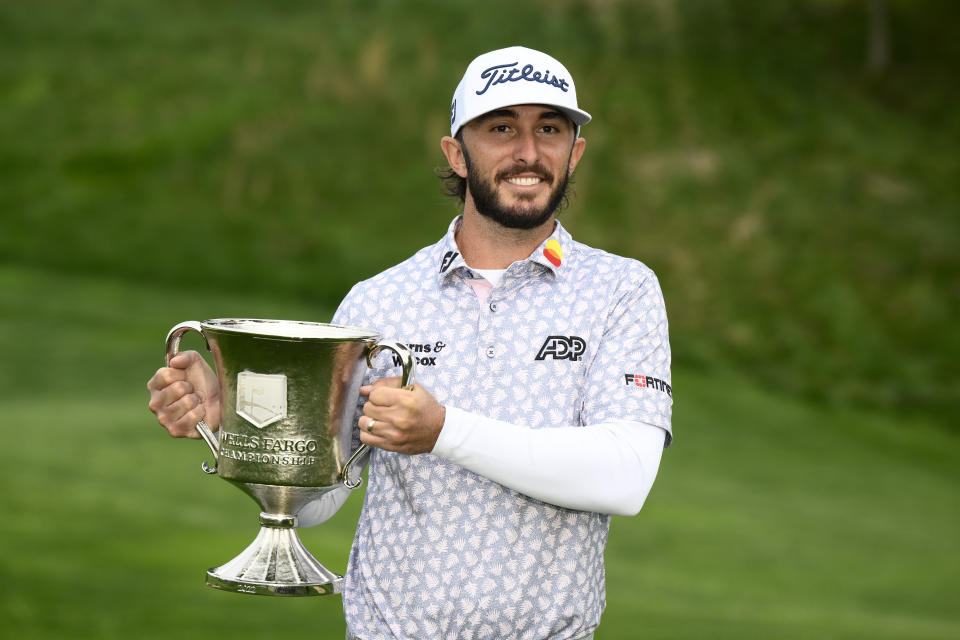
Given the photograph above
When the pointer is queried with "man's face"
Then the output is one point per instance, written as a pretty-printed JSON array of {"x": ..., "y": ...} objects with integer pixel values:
[{"x": 518, "y": 163}]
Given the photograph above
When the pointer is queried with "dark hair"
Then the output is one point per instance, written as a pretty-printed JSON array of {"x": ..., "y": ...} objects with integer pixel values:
[{"x": 453, "y": 185}]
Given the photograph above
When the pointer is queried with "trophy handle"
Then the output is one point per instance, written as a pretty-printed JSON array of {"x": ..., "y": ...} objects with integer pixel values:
[
  {"x": 406, "y": 381},
  {"x": 173, "y": 347}
]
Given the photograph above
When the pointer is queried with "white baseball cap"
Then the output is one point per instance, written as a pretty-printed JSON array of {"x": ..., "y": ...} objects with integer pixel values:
[{"x": 511, "y": 76}]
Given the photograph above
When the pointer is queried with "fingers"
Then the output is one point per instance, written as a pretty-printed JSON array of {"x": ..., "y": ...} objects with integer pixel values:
[
  {"x": 379, "y": 440},
  {"x": 379, "y": 384},
  {"x": 403, "y": 413},
  {"x": 177, "y": 370},
  {"x": 164, "y": 377},
  {"x": 387, "y": 401},
  {"x": 385, "y": 435},
  {"x": 383, "y": 416},
  {"x": 175, "y": 401},
  {"x": 392, "y": 396},
  {"x": 183, "y": 393},
  {"x": 407, "y": 421},
  {"x": 180, "y": 418},
  {"x": 172, "y": 393}
]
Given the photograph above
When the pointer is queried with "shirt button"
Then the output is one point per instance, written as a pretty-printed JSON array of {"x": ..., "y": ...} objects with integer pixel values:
[
  {"x": 490, "y": 352},
  {"x": 493, "y": 306}
]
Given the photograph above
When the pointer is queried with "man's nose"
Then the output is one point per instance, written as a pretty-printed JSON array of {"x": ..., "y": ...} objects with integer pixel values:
[{"x": 525, "y": 148}]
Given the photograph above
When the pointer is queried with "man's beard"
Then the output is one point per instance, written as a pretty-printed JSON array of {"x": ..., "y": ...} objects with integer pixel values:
[{"x": 488, "y": 203}]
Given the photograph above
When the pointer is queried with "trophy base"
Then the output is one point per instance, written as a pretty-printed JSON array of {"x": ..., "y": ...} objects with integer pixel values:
[
  {"x": 272, "y": 588},
  {"x": 275, "y": 564}
]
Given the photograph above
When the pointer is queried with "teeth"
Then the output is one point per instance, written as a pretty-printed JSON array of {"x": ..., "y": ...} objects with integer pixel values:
[{"x": 524, "y": 182}]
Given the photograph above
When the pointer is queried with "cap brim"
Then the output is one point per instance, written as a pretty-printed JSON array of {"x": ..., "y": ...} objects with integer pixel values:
[{"x": 578, "y": 116}]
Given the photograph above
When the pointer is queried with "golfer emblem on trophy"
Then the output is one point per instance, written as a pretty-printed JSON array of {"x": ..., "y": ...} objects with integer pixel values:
[{"x": 289, "y": 391}]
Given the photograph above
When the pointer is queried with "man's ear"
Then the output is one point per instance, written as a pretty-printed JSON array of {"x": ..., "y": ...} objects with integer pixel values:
[
  {"x": 453, "y": 151},
  {"x": 575, "y": 154}
]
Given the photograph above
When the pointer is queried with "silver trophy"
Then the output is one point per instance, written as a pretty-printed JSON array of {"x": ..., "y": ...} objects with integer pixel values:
[{"x": 288, "y": 392}]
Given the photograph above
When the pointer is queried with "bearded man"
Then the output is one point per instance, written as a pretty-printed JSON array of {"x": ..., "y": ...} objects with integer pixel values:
[{"x": 543, "y": 403}]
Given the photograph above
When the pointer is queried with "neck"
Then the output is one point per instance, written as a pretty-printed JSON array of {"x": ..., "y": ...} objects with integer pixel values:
[{"x": 485, "y": 244}]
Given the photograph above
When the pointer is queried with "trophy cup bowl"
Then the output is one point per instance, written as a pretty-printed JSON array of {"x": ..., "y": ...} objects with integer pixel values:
[{"x": 289, "y": 392}]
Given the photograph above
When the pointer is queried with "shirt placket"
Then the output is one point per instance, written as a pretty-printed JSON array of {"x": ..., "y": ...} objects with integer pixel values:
[{"x": 488, "y": 347}]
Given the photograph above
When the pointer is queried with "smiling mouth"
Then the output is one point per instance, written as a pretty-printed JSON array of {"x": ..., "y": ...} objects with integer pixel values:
[{"x": 525, "y": 181}]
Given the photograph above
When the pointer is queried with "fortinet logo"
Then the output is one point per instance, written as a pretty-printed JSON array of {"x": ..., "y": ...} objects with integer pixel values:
[
  {"x": 562, "y": 348},
  {"x": 635, "y": 380}
]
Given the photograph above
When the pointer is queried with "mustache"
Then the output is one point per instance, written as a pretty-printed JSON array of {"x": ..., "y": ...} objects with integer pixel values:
[{"x": 538, "y": 169}]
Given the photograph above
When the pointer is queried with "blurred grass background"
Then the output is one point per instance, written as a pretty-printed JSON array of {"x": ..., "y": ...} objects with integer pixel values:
[{"x": 182, "y": 160}]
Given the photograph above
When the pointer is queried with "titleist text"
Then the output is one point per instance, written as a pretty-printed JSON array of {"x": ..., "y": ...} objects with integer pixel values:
[{"x": 502, "y": 73}]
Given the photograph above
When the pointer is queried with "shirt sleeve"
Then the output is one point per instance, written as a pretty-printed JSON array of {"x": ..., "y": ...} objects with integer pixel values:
[
  {"x": 629, "y": 376},
  {"x": 323, "y": 508},
  {"x": 606, "y": 468}
]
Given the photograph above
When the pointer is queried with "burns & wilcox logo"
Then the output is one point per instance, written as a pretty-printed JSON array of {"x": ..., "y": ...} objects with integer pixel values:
[
  {"x": 562, "y": 348},
  {"x": 637, "y": 380},
  {"x": 511, "y": 72},
  {"x": 423, "y": 348}
]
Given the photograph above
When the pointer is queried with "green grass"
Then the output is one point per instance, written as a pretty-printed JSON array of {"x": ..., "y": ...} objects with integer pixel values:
[
  {"x": 800, "y": 213},
  {"x": 770, "y": 518},
  {"x": 776, "y": 519}
]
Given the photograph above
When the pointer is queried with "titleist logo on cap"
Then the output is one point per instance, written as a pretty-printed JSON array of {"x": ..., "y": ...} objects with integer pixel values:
[{"x": 511, "y": 72}]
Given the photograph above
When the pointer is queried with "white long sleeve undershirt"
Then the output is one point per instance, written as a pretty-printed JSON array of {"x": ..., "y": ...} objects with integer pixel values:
[{"x": 606, "y": 468}]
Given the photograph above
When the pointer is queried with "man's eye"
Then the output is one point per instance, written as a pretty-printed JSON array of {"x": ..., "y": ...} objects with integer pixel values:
[
  {"x": 549, "y": 128},
  {"x": 501, "y": 128}
]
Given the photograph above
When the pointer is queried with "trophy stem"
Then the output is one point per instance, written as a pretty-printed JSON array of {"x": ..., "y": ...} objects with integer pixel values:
[{"x": 275, "y": 564}]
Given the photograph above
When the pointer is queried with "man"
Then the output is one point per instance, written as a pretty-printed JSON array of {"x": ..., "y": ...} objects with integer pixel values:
[{"x": 543, "y": 403}]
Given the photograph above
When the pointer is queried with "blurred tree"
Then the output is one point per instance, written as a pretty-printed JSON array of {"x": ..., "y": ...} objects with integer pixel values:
[{"x": 878, "y": 37}]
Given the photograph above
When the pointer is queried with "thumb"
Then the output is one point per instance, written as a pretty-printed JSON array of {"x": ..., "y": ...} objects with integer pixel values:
[{"x": 184, "y": 359}]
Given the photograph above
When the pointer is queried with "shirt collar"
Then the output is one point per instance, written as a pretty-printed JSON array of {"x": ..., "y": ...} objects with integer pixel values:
[
  {"x": 448, "y": 258},
  {"x": 551, "y": 254},
  {"x": 554, "y": 251}
]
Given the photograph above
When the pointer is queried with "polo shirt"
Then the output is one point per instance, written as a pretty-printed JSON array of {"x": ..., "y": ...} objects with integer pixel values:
[{"x": 571, "y": 336}]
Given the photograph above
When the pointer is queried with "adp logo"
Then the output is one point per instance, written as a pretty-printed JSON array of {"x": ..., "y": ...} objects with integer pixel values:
[{"x": 562, "y": 348}]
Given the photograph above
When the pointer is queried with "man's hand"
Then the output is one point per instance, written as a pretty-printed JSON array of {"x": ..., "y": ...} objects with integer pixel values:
[
  {"x": 407, "y": 421},
  {"x": 184, "y": 393}
]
